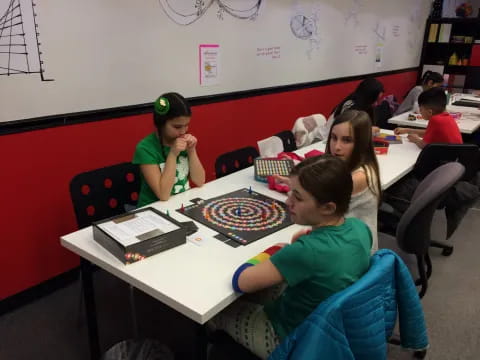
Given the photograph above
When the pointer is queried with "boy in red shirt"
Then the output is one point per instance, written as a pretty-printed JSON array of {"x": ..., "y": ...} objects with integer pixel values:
[{"x": 441, "y": 127}]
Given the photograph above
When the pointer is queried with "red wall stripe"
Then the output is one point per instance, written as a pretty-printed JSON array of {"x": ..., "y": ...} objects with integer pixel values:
[{"x": 38, "y": 165}]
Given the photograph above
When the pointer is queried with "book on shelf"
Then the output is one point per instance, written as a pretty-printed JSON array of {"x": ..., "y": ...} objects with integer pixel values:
[
  {"x": 432, "y": 34},
  {"x": 444, "y": 34}
]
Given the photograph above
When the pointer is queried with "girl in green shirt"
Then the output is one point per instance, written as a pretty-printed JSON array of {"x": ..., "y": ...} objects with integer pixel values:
[
  {"x": 317, "y": 264},
  {"x": 168, "y": 157}
]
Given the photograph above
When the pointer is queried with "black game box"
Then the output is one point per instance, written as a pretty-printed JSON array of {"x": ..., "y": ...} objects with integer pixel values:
[{"x": 136, "y": 235}]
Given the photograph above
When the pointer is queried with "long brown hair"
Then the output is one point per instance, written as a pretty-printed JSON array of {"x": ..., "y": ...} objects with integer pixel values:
[{"x": 363, "y": 155}]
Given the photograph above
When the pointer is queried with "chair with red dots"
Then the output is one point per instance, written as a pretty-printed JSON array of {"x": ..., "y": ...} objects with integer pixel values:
[
  {"x": 236, "y": 160},
  {"x": 288, "y": 140},
  {"x": 96, "y": 195},
  {"x": 102, "y": 193}
]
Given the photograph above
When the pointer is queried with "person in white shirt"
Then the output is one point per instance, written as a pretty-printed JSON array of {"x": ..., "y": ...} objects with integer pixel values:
[{"x": 430, "y": 80}]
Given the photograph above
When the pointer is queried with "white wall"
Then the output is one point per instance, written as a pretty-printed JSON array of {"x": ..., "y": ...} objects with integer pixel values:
[{"x": 109, "y": 53}]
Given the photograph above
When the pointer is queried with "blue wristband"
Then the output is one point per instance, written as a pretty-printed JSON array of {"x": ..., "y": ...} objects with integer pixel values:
[{"x": 236, "y": 275}]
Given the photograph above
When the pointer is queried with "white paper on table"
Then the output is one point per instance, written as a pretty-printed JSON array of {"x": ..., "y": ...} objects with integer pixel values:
[
  {"x": 198, "y": 238},
  {"x": 126, "y": 232},
  {"x": 117, "y": 233}
]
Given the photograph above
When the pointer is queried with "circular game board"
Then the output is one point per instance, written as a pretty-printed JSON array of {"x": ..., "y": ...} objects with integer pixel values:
[{"x": 255, "y": 215}]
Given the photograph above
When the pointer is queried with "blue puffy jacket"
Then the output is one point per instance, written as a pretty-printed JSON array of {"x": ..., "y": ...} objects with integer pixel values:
[{"x": 356, "y": 322}]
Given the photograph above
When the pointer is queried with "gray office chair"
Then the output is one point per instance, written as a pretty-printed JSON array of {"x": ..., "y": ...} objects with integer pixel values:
[
  {"x": 413, "y": 231},
  {"x": 434, "y": 155},
  {"x": 430, "y": 158}
]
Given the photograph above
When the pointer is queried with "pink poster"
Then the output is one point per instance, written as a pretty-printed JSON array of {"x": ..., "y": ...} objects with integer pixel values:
[{"x": 209, "y": 64}]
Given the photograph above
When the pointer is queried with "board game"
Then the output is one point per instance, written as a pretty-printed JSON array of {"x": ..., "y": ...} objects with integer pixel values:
[
  {"x": 391, "y": 139},
  {"x": 242, "y": 215}
]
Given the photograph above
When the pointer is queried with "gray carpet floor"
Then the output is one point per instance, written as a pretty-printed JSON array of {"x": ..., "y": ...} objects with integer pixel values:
[{"x": 53, "y": 327}]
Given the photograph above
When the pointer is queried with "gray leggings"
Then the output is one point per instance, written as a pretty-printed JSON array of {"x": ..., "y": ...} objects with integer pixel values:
[{"x": 247, "y": 323}]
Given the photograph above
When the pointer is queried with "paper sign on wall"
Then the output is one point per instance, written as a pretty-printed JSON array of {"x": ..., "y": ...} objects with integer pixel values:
[{"x": 209, "y": 62}]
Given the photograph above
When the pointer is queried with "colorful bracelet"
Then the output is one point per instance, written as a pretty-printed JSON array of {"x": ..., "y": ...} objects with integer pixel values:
[{"x": 264, "y": 255}]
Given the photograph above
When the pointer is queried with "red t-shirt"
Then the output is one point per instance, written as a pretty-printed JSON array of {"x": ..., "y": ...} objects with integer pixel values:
[{"x": 442, "y": 128}]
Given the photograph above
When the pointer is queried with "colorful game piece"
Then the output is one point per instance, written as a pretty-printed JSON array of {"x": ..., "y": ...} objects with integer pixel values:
[
  {"x": 239, "y": 211},
  {"x": 168, "y": 214},
  {"x": 250, "y": 190},
  {"x": 182, "y": 209},
  {"x": 273, "y": 205}
]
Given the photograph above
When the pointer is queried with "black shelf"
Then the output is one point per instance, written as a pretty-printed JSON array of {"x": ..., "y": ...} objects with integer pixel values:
[
  {"x": 450, "y": 43},
  {"x": 456, "y": 69},
  {"x": 439, "y": 53},
  {"x": 460, "y": 66},
  {"x": 454, "y": 20}
]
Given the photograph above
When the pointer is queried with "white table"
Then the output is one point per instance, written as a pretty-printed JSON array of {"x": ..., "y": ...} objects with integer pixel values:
[
  {"x": 393, "y": 166},
  {"x": 459, "y": 96},
  {"x": 196, "y": 280},
  {"x": 468, "y": 123}
]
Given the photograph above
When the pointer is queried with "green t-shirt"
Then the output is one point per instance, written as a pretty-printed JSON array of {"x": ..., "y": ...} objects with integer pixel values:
[
  {"x": 149, "y": 151},
  {"x": 318, "y": 265}
]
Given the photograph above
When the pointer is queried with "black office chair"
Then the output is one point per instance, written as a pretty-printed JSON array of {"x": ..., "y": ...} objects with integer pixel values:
[
  {"x": 236, "y": 160},
  {"x": 413, "y": 236},
  {"x": 102, "y": 193},
  {"x": 288, "y": 140},
  {"x": 381, "y": 115},
  {"x": 434, "y": 155}
]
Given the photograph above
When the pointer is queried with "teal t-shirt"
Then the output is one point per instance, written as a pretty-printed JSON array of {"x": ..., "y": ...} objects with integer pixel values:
[
  {"x": 149, "y": 151},
  {"x": 316, "y": 266}
]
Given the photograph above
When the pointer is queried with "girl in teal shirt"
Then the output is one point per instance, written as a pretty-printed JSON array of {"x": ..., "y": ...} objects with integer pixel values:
[{"x": 316, "y": 265}]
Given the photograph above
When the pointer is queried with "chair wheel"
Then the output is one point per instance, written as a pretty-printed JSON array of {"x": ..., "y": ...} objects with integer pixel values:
[
  {"x": 420, "y": 354},
  {"x": 447, "y": 251}
]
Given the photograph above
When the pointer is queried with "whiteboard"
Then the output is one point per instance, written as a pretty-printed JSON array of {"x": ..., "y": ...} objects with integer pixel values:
[{"x": 103, "y": 54}]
